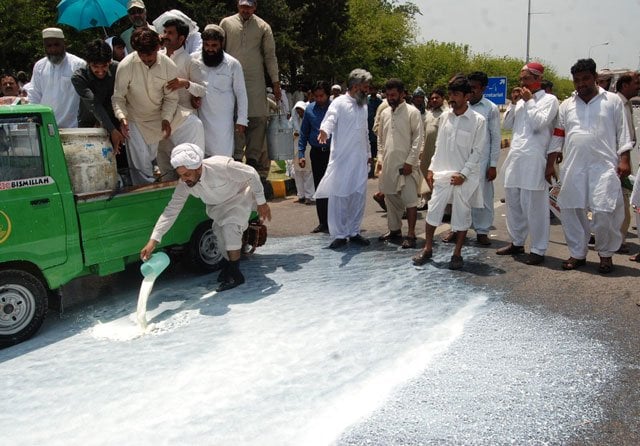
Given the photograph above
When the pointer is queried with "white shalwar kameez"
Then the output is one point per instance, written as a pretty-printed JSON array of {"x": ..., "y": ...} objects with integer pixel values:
[
  {"x": 229, "y": 189},
  {"x": 526, "y": 190},
  {"x": 51, "y": 85},
  {"x": 592, "y": 137},
  {"x": 345, "y": 181},
  {"x": 482, "y": 217},
  {"x": 460, "y": 146},
  {"x": 226, "y": 92}
]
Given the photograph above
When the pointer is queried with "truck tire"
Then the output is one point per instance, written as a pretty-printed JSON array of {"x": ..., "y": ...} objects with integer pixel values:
[
  {"x": 203, "y": 248},
  {"x": 23, "y": 306}
]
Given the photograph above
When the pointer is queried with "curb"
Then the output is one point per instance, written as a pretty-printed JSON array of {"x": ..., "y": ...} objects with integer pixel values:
[{"x": 282, "y": 188}]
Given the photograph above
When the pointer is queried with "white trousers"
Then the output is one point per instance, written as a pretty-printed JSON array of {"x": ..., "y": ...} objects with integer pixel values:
[
  {"x": 141, "y": 156},
  {"x": 397, "y": 203},
  {"x": 345, "y": 215},
  {"x": 482, "y": 218},
  {"x": 304, "y": 183},
  {"x": 228, "y": 237},
  {"x": 442, "y": 195},
  {"x": 605, "y": 226},
  {"x": 191, "y": 130},
  {"x": 528, "y": 215}
]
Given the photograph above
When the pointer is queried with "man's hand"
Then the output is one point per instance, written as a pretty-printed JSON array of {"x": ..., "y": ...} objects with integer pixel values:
[
  {"x": 166, "y": 129},
  {"x": 526, "y": 94},
  {"x": 177, "y": 83},
  {"x": 457, "y": 179},
  {"x": 117, "y": 139},
  {"x": 240, "y": 128},
  {"x": 549, "y": 174},
  {"x": 322, "y": 137},
  {"x": 491, "y": 173},
  {"x": 146, "y": 252},
  {"x": 515, "y": 96},
  {"x": 378, "y": 167},
  {"x": 277, "y": 91},
  {"x": 302, "y": 162},
  {"x": 624, "y": 166},
  {"x": 430, "y": 179},
  {"x": 124, "y": 128},
  {"x": 264, "y": 212},
  {"x": 196, "y": 102},
  {"x": 407, "y": 169}
]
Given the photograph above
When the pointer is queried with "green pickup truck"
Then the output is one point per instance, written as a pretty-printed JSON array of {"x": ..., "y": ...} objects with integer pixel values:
[{"x": 50, "y": 233}]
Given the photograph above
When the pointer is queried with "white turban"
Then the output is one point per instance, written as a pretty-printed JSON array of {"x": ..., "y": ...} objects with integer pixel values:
[{"x": 186, "y": 155}]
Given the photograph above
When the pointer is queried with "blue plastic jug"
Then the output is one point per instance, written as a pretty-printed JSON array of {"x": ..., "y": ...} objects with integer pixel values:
[{"x": 155, "y": 265}]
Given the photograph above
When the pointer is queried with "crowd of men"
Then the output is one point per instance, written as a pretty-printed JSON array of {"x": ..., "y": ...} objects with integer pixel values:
[{"x": 171, "y": 98}]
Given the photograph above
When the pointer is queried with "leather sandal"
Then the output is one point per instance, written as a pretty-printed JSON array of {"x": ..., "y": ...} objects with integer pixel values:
[
  {"x": 409, "y": 242},
  {"x": 422, "y": 257},
  {"x": 510, "y": 249},
  {"x": 606, "y": 265},
  {"x": 449, "y": 237},
  {"x": 573, "y": 263}
]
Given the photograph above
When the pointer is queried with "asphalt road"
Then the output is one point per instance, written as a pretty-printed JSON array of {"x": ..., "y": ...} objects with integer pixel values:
[{"x": 610, "y": 304}]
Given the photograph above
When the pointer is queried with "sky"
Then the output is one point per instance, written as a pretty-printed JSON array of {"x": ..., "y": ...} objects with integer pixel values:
[{"x": 561, "y": 32}]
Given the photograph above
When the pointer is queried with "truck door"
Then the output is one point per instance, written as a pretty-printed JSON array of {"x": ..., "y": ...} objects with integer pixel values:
[{"x": 32, "y": 224}]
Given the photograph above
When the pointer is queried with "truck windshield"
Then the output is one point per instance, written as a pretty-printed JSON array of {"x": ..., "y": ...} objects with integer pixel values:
[{"x": 20, "y": 154}]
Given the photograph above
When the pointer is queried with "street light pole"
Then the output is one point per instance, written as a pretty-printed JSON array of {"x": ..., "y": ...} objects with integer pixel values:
[
  {"x": 593, "y": 46},
  {"x": 528, "y": 27}
]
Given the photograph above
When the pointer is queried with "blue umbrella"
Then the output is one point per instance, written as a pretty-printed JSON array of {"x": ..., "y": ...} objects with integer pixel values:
[{"x": 83, "y": 14}]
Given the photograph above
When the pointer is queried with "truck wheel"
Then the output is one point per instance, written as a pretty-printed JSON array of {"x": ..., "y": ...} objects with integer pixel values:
[
  {"x": 203, "y": 248},
  {"x": 23, "y": 306}
]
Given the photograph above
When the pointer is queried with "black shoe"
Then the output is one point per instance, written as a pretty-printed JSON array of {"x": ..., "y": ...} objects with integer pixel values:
[
  {"x": 320, "y": 228},
  {"x": 359, "y": 240},
  {"x": 456, "y": 262},
  {"x": 231, "y": 282},
  {"x": 510, "y": 249},
  {"x": 391, "y": 235},
  {"x": 300, "y": 200},
  {"x": 338, "y": 243},
  {"x": 534, "y": 259},
  {"x": 483, "y": 239}
]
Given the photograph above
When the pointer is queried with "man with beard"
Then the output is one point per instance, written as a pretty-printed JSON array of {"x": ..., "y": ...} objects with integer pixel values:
[
  {"x": 593, "y": 134},
  {"x": 51, "y": 79},
  {"x": 527, "y": 191},
  {"x": 189, "y": 83},
  {"x": 454, "y": 173},
  {"x": 137, "y": 13},
  {"x": 249, "y": 39},
  {"x": 401, "y": 135},
  {"x": 345, "y": 181},
  {"x": 229, "y": 189},
  {"x": 147, "y": 108},
  {"x": 226, "y": 91},
  {"x": 94, "y": 84}
]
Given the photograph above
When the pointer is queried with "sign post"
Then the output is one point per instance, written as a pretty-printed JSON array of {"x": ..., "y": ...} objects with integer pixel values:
[{"x": 496, "y": 90}]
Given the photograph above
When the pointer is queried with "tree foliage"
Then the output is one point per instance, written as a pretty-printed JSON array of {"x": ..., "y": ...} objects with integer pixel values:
[{"x": 315, "y": 39}]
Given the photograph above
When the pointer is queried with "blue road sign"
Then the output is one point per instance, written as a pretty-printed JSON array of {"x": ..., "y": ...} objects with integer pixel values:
[{"x": 496, "y": 90}]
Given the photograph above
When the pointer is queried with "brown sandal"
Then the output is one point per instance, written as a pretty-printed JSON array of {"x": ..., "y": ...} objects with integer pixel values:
[
  {"x": 422, "y": 257},
  {"x": 606, "y": 265},
  {"x": 449, "y": 237},
  {"x": 409, "y": 242},
  {"x": 573, "y": 263}
]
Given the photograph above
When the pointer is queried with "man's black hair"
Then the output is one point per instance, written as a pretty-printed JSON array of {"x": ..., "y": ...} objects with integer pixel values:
[
  {"x": 459, "y": 83},
  {"x": 584, "y": 65},
  {"x": 394, "y": 83},
  {"x": 625, "y": 78},
  {"x": 322, "y": 85},
  {"x": 212, "y": 34},
  {"x": 98, "y": 51},
  {"x": 479, "y": 76},
  {"x": 439, "y": 91},
  {"x": 145, "y": 40}
]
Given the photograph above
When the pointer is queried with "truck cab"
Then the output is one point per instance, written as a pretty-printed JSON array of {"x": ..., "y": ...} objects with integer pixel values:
[{"x": 51, "y": 234}]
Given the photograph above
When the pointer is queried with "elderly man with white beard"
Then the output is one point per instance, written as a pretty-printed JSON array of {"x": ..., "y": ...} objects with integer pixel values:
[
  {"x": 345, "y": 181},
  {"x": 226, "y": 91},
  {"x": 229, "y": 189}
]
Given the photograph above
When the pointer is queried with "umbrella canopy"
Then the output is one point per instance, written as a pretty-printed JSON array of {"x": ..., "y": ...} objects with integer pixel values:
[{"x": 84, "y": 14}]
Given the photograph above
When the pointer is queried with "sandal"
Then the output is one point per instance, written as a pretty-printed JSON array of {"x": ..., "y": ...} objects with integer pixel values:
[
  {"x": 409, "y": 242},
  {"x": 635, "y": 258},
  {"x": 422, "y": 257},
  {"x": 573, "y": 263},
  {"x": 606, "y": 265},
  {"x": 450, "y": 237}
]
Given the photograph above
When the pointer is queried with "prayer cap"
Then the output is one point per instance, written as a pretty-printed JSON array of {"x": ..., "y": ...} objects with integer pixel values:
[
  {"x": 419, "y": 92},
  {"x": 534, "y": 68},
  {"x": 213, "y": 27},
  {"x": 251, "y": 3},
  {"x": 52, "y": 33},
  {"x": 186, "y": 155},
  {"x": 336, "y": 87}
]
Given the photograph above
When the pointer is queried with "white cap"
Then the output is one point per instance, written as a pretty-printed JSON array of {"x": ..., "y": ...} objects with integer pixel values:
[
  {"x": 52, "y": 33},
  {"x": 336, "y": 87}
]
